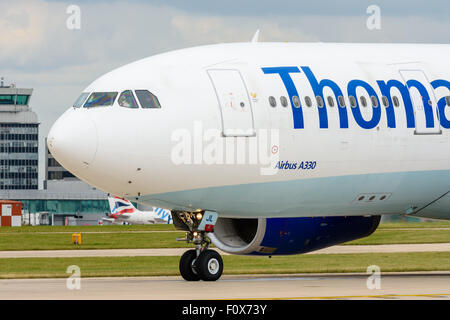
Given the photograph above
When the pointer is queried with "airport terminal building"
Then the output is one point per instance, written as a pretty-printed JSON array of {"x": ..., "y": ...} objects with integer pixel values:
[
  {"x": 64, "y": 198},
  {"x": 19, "y": 140},
  {"x": 63, "y": 202}
]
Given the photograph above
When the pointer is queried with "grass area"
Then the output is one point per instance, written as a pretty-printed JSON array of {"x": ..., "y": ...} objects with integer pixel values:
[
  {"x": 146, "y": 236},
  {"x": 387, "y": 236},
  {"x": 75, "y": 229},
  {"x": 158, "y": 266},
  {"x": 414, "y": 225},
  {"x": 120, "y": 240},
  {"x": 170, "y": 227}
]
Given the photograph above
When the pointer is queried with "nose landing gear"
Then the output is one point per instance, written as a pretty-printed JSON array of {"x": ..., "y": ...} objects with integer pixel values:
[
  {"x": 187, "y": 268},
  {"x": 200, "y": 263},
  {"x": 209, "y": 265}
]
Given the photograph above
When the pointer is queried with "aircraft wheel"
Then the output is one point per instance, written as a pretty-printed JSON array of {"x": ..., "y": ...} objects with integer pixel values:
[
  {"x": 187, "y": 266},
  {"x": 209, "y": 265}
]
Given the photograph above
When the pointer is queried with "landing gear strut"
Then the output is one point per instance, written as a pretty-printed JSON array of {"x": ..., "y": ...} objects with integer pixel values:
[{"x": 200, "y": 263}]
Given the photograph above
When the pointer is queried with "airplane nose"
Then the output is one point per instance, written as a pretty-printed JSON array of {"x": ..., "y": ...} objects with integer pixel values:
[{"x": 72, "y": 140}]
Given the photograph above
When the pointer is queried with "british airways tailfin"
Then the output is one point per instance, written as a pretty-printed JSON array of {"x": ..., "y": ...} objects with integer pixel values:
[
  {"x": 120, "y": 206},
  {"x": 122, "y": 209}
]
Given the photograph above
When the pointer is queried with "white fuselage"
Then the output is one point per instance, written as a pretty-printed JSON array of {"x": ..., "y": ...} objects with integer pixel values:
[
  {"x": 137, "y": 218},
  {"x": 288, "y": 161},
  {"x": 158, "y": 216}
]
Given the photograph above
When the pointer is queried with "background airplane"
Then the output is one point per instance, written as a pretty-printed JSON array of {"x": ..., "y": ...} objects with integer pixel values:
[{"x": 123, "y": 210}]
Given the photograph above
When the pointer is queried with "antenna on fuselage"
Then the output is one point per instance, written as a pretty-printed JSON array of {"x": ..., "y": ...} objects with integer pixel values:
[{"x": 255, "y": 37}]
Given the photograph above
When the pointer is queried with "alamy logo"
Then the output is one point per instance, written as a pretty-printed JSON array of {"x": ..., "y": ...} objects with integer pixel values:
[
  {"x": 374, "y": 20},
  {"x": 200, "y": 146},
  {"x": 373, "y": 282},
  {"x": 357, "y": 86},
  {"x": 73, "y": 22},
  {"x": 74, "y": 281}
]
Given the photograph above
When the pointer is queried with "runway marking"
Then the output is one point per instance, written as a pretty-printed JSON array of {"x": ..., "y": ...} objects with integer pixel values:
[
  {"x": 276, "y": 279},
  {"x": 165, "y": 287},
  {"x": 382, "y": 296},
  {"x": 411, "y": 229}
]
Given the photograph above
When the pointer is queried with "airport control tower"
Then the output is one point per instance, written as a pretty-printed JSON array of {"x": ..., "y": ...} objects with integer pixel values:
[{"x": 19, "y": 135}]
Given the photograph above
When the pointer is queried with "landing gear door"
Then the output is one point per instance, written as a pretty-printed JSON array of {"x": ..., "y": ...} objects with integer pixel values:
[
  {"x": 234, "y": 102},
  {"x": 423, "y": 106}
]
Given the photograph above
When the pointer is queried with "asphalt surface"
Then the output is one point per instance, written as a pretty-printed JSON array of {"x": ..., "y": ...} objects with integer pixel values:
[
  {"x": 391, "y": 248},
  {"x": 424, "y": 285},
  {"x": 419, "y": 285}
]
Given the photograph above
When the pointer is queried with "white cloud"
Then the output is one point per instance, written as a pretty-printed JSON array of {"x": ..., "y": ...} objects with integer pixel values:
[
  {"x": 22, "y": 29},
  {"x": 206, "y": 29}
]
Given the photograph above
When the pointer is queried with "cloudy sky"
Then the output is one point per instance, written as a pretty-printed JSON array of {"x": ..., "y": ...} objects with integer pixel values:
[{"x": 38, "y": 50}]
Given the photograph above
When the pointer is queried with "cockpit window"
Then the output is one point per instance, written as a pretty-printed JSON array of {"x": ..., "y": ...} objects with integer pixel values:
[
  {"x": 81, "y": 99},
  {"x": 147, "y": 99},
  {"x": 98, "y": 99},
  {"x": 127, "y": 100}
]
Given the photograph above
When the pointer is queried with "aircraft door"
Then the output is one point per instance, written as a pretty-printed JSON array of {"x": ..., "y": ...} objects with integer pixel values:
[
  {"x": 234, "y": 102},
  {"x": 425, "y": 107}
]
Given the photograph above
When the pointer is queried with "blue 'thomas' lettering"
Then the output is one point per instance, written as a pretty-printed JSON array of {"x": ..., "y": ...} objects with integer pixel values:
[
  {"x": 376, "y": 114},
  {"x": 425, "y": 98},
  {"x": 442, "y": 103},
  {"x": 284, "y": 73},
  {"x": 318, "y": 91},
  {"x": 385, "y": 88}
]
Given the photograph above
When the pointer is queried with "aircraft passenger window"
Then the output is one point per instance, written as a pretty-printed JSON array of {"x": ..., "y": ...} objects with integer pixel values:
[
  {"x": 385, "y": 101},
  {"x": 330, "y": 101},
  {"x": 272, "y": 101},
  {"x": 396, "y": 102},
  {"x": 374, "y": 101},
  {"x": 308, "y": 101},
  {"x": 81, "y": 99},
  {"x": 448, "y": 100},
  {"x": 341, "y": 101},
  {"x": 127, "y": 100},
  {"x": 283, "y": 101},
  {"x": 352, "y": 101},
  {"x": 319, "y": 101},
  {"x": 296, "y": 101},
  {"x": 363, "y": 101},
  {"x": 147, "y": 99},
  {"x": 101, "y": 99}
]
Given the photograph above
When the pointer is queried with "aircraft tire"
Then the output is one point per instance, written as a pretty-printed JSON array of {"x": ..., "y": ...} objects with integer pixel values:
[
  {"x": 186, "y": 266},
  {"x": 209, "y": 265}
]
